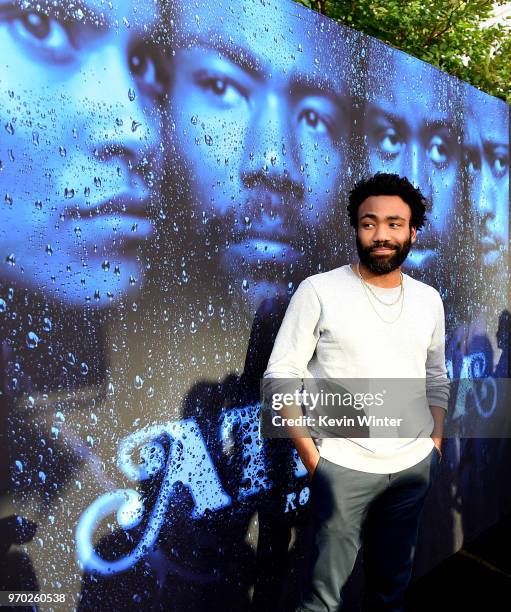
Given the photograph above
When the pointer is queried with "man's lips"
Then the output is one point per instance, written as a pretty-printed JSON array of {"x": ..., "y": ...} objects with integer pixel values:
[
  {"x": 487, "y": 244},
  {"x": 383, "y": 251},
  {"x": 264, "y": 248},
  {"x": 122, "y": 218},
  {"x": 123, "y": 204}
]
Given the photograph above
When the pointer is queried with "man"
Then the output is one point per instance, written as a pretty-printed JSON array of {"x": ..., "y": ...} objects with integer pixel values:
[
  {"x": 486, "y": 143},
  {"x": 79, "y": 148},
  {"x": 79, "y": 153},
  {"x": 411, "y": 122},
  {"x": 259, "y": 118},
  {"x": 368, "y": 320}
]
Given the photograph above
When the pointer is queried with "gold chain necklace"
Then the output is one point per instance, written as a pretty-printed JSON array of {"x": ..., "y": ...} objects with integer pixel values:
[{"x": 401, "y": 295}]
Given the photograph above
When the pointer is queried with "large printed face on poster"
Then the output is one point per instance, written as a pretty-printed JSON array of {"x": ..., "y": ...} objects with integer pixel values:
[
  {"x": 412, "y": 127},
  {"x": 169, "y": 173},
  {"x": 80, "y": 147},
  {"x": 259, "y": 117}
]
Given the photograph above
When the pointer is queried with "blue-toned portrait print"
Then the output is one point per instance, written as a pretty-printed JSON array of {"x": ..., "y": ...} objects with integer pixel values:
[
  {"x": 411, "y": 127},
  {"x": 79, "y": 147},
  {"x": 259, "y": 117}
]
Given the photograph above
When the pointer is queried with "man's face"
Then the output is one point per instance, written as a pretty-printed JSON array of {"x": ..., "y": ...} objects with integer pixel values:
[
  {"x": 78, "y": 148},
  {"x": 409, "y": 123},
  {"x": 487, "y": 150},
  {"x": 384, "y": 235},
  {"x": 260, "y": 120}
]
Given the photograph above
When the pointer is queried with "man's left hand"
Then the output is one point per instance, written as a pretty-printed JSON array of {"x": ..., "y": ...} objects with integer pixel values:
[{"x": 437, "y": 440}]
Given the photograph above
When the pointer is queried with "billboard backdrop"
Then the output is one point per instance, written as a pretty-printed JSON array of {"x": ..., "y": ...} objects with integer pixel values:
[{"x": 169, "y": 173}]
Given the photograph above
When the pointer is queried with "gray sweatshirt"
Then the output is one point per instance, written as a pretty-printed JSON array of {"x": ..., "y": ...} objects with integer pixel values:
[{"x": 332, "y": 330}]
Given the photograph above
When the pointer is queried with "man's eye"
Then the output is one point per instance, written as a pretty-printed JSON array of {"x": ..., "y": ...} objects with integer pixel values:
[
  {"x": 438, "y": 151},
  {"x": 227, "y": 91},
  {"x": 389, "y": 142},
  {"x": 148, "y": 70},
  {"x": 43, "y": 33},
  {"x": 313, "y": 120},
  {"x": 500, "y": 164},
  {"x": 473, "y": 161}
]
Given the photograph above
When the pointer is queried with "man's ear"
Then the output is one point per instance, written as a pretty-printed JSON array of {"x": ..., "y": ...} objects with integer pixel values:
[{"x": 413, "y": 234}]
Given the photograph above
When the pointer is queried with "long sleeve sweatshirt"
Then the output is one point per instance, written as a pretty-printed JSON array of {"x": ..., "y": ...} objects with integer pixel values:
[{"x": 332, "y": 330}]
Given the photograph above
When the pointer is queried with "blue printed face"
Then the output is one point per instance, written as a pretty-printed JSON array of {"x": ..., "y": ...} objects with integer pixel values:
[
  {"x": 487, "y": 150},
  {"x": 77, "y": 147},
  {"x": 409, "y": 123},
  {"x": 260, "y": 119}
]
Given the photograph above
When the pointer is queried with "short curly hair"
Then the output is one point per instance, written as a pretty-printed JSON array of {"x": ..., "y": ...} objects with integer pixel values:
[{"x": 383, "y": 183}]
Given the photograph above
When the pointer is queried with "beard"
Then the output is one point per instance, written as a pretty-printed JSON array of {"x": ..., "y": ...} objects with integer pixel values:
[{"x": 386, "y": 264}]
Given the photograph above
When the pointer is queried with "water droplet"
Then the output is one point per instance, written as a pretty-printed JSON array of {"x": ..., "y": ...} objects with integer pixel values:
[
  {"x": 11, "y": 259},
  {"x": 71, "y": 359},
  {"x": 118, "y": 122},
  {"x": 86, "y": 192},
  {"x": 135, "y": 125},
  {"x": 8, "y": 199},
  {"x": 78, "y": 231},
  {"x": 132, "y": 280},
  {"x": 134, "y": 227},
  {"x": 47, "y": 324},
  {"x": 193, "y": 327},
  {"x": 84, "y": 368},
  {"x": 48, "y": 249},
  {"x": 69, "y": 193},
  {"x": 139, "y": 382},
  {"x": 126, "y": 22},
  {"x": 9, "y": 128},
  {"x": 42, "y": 477},
  {"x": 131, "y": 94},
  {"x": 10, "y": 155},
  {"x": 208, "y": 139},
  {"x": 245, "y": 285},
  {"x": 35, "y": 139},
  {"x": 97, "y": 295},
  {"x": 79, "y": 14},
  {"x": 38, "y": 204},
  {"x": 19, "y": 466},
  {"x": 106, "y": 265},
  {"x": 3, "y": 305},
  {"x": 194, "y": 119},
  {"x": 117, "y": 270},
  {"x": 62, "y": 151},
  {"x": 32, "y": 340},
  {"x": 210, "y": 310},
  {"x": 97, "y": 181}
]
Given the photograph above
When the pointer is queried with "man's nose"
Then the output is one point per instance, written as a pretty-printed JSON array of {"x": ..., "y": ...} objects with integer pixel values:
[
  {"x": 381, "y": 233},
  {"x": 125, "y": 121},
  {"x": 270, "y": 154},
  {"x": 485, "y": 200},
  {"x": 415, "y": 167}
]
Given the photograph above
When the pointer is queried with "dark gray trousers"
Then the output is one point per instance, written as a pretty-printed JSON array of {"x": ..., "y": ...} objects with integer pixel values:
[{"x": 350, "y": 508}]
